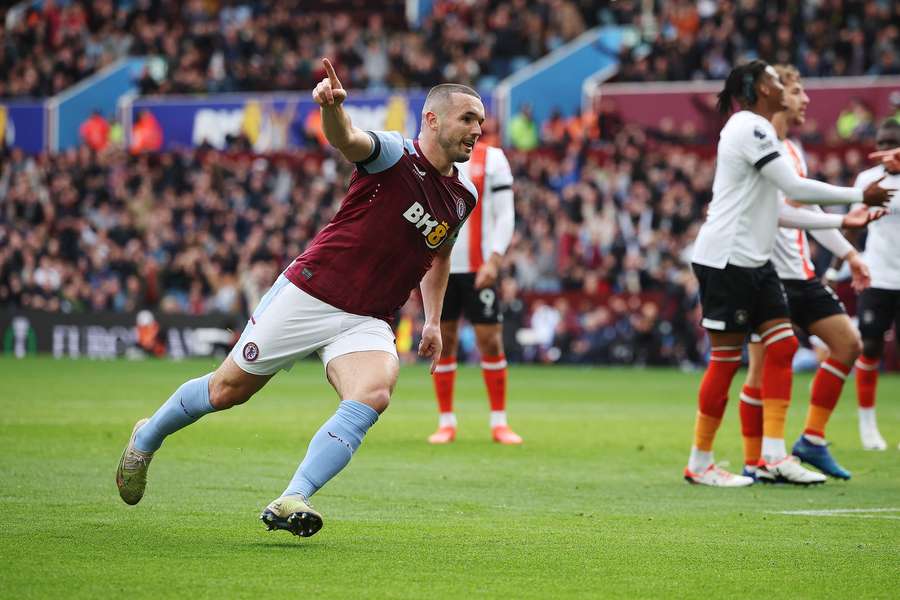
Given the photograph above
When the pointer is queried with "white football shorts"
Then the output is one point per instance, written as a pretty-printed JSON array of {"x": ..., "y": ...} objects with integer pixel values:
[{"x": 289, "y": 324}]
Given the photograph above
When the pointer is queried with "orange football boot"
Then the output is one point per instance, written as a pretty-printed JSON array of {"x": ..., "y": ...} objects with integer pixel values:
[
  {"x": 444, "y": 435},
  {"x": 504, "y": 435}
]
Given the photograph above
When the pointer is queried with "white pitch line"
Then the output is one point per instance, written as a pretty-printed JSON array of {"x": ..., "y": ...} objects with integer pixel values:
[{"x": 859, "y": 513}]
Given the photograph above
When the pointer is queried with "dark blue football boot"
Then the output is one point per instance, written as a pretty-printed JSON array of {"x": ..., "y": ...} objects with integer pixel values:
[{"x": 819, "y": 457}]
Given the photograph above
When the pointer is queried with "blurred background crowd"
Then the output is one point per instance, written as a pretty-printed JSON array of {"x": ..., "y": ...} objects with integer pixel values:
[
  {"x": 234, "y": 45},
  {"x": 605, "y": 210}
]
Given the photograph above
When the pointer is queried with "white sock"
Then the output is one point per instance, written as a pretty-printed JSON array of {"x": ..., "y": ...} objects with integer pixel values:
[
  {"x": 447, "y": 420},
  {"x": 498, "y": 418},
  {"x": 815, "y": 439},
  {"x": 699, "y": 460},
  {"x": 867, "y": 420},
  {"x": 773, "y": 449}
]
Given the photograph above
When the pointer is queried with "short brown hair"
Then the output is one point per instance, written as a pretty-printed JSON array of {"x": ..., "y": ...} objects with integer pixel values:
[
  {"x": 787, "y": 73},
  {"x": 441, "y": 93}
]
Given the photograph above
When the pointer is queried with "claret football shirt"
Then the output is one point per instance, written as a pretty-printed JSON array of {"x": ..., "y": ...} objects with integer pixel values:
[{"x": 397, "y": 214}]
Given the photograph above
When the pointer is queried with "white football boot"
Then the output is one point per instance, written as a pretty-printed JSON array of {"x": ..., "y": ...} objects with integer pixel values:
[
  {"x": 788, "y": 470},
  {"x": 717, "y": 477}
]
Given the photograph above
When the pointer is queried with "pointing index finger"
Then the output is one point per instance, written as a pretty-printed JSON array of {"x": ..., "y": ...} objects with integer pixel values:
[{"x": 332, "y": 76}]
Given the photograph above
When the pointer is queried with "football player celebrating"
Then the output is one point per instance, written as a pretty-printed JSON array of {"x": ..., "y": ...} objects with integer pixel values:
[
  {"x": 739, "y": 288},
  {"x": 393, "y": 232}
]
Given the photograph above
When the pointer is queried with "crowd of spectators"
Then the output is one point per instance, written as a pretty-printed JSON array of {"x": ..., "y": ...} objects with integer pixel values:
[
  {"x": 705, "y": 39},
  {"x": 234, "y": 45},
  {"x": 605, "y": 210},
  {"x": 205, "y": 231},
  {"x": 44, "y": 51}
]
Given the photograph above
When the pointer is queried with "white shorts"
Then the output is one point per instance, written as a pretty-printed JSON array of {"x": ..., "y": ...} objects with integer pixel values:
[{"x": 289, "y": 324}]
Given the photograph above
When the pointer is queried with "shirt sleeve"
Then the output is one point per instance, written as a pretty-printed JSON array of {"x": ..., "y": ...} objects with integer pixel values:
[
  {"x": 833, "y": 241},
  {"x": 757, "y": 142},
  {"x": 502, "y": 206},
  {"x": 809, "y": 218},
  {"x": 387, "y": 151},
  {"x": 808, "y": 191}
]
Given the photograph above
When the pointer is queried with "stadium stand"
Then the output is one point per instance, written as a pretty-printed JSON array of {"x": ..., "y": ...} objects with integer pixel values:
[
  {"x": 704, "y": 40},
  {"x": 606, "y": 212}
]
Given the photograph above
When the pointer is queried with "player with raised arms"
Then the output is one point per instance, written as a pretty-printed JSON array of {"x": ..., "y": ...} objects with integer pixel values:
[
  {"x": 393, "y": 232},
  {"x": 739, "y": 289},
  {"x": 814, "y": 307}
]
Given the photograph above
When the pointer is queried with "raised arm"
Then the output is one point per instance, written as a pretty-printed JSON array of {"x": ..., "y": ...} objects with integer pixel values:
[{"x": 355, "y": 144}]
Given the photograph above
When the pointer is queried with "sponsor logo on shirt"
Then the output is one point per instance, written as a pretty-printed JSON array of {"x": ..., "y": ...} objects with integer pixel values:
[{"x": 434, "y": 231}]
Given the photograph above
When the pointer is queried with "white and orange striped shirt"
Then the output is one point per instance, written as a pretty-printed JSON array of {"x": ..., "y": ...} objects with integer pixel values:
[
  {"x": 791, "y": 256},
  {"x": 489, "y": 228}
]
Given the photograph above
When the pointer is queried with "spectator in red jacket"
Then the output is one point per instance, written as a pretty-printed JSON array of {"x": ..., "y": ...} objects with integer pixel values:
[{"x": 95, "y": 132}]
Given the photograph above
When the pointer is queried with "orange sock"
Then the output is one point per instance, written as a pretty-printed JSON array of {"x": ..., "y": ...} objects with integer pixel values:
[
  {"x": 780, "y": 346},
  {"x": 751, "y": 424},
  {"x": 444, "y": 377},
  {"x": 724, "y": 362},
  {"x": 866, "y": 380},
  {"x": 493, "y": 368},
  {"x": 826, "y": 389}
]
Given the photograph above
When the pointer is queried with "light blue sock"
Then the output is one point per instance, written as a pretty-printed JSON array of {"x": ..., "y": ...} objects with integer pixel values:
[
  {"x": 332, "y": 447},
  {"x": 187, "y": 404}
]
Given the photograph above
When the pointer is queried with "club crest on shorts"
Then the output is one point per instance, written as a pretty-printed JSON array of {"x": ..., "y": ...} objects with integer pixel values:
[
  {"x": 741, "y": 316},
  {"x": 251, "y": 351}
]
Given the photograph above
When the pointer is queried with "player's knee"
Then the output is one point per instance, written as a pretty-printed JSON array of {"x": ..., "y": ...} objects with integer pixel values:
[
  {"x": 379, "y": 399},
  {"x": 491, "y": 346},
  {"x": 848, "y": 349},
  {"x": 490, "y": 341}
]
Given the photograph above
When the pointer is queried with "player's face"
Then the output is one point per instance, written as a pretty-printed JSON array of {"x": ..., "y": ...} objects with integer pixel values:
[
  {"x": 795, "y": 102},
  {"x": 460, "y": 127},
  {"x": 886, "y": 139}
]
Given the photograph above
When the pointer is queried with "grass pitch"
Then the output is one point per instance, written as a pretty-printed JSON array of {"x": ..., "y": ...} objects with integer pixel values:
[{"x": 593, "y": 505}]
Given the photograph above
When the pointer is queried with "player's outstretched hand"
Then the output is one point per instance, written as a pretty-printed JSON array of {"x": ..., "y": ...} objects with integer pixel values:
[
  {"x": 431, "y": 346},
  {"x": 889, "y": 158},
  {"x": 875, "y": 195},
  {"x": 861, "y": 216},
  {"x": 329, "y": 91}
]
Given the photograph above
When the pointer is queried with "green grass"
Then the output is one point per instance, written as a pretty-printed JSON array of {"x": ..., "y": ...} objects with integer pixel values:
[{"x": 592, "y": 505}]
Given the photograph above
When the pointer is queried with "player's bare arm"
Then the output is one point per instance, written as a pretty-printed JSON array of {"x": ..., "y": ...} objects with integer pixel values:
[
  {"x": 433, "y": 286},
  {"x": 355, "y": 144},
  {"x": 488, "y": 272}
]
